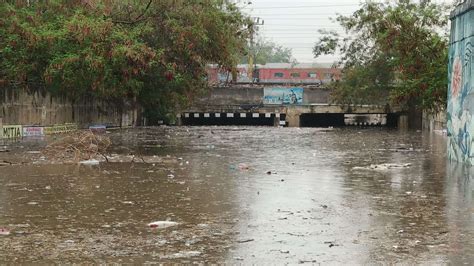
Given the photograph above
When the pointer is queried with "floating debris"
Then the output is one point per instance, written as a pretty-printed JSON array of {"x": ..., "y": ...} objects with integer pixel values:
[
  {"x": 162, "y": 224},
  {"x": 90, "y": 162},
  {"x": 243, "y": 166},
  {"x": 245, "y": 240},
  {"x": 383, "y": 166},
  {"x": 4, "y": 232},
  {"x": 182, "y": 254},
  {"x": 79, "y": 146}
]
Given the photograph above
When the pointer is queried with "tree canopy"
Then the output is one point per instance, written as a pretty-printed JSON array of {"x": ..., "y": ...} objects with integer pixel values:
[
  {"x": 149, "y": 52},
  {"x": 396, "y": 48},
  {"x": 268, "y": 52}
]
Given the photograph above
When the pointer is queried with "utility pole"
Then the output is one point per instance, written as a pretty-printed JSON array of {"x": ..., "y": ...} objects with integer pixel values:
[{"x": 256, "y": 22}]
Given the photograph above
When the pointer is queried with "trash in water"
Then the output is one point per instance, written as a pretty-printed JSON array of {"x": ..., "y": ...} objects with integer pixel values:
[
  {"x": 182, "y": 254},
  {"x": 162, "y": 224},
  {"x": 170, "y": 176},
  {"x": 89, "y": 162},
  {"x": 245, "y": 240},
  {"x": 243, "y": 166},
  {"x": 202, "y": 225},
  {"x": 383, "y": 166},
  {"x": 4, "y": 232}
]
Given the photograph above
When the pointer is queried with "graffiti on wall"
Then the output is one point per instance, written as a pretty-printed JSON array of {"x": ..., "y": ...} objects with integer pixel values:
[
  {"x": 460, "y": 109},
  {"x": 283, "y": 95}
]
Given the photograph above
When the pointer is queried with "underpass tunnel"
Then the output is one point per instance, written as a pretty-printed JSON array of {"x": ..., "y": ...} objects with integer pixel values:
[
  {"x": 322, "y": 120},
  {"x": 341, "y": 120}
]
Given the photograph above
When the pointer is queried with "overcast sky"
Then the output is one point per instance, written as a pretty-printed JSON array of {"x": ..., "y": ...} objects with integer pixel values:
[{"x": 295, "y": 23}]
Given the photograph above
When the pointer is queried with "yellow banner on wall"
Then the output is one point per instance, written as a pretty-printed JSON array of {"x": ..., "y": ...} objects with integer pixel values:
[
  {"x": 56, "y": 129},
  {"x": 12, "y": 131}
]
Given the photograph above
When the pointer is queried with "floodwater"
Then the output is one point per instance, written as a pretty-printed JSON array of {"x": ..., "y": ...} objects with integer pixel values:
[{"x": 245, "y": 195}]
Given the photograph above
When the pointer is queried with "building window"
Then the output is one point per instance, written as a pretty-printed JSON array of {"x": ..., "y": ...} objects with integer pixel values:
[
  {"x": 278, "y": 75},
  {"x": 312, "y": 75},
  {"x": 295, "y": 75}
]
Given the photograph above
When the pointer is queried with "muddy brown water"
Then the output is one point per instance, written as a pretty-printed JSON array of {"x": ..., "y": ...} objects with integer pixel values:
[{"x": 244, "y": 195}]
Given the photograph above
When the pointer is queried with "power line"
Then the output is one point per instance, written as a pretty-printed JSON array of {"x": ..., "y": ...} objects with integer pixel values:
[
  {"x": 308, "y": 24},
  {"x": 305, "y": 19},
  {"x": 293, "y": 7},
  {"x": 305, "y": 33},
  {"x": 273, "y": 14}
]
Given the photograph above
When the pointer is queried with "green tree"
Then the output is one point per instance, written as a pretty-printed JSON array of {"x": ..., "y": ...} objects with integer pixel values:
[
  {"x": 146, "y": 52},
  {"x": 396, "y": 48},
  {"x": 268, "y": 52}
]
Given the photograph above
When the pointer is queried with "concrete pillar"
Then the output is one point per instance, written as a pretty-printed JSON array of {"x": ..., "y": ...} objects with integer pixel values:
[
  {"x": 179, "y": 120},
  {"x": 276, "y": 120},
  {"x": 293, "y": 117},
  {"x": 125, "y": 119},
  {"x": 293, "y": 120},
  {"x": 403, "y": 122}
]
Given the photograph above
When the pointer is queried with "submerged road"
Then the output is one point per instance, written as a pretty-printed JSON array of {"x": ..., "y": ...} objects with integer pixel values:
[{"x": 245, "y": 195}]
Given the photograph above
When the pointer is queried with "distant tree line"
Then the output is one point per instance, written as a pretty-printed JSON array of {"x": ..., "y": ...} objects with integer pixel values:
[{"x": 266, "y": 51}]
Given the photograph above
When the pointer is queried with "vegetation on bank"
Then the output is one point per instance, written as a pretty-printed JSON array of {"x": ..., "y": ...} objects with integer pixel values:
[
  {"x": 397, "y": 48},
  {"x": 146, "y": 52}
]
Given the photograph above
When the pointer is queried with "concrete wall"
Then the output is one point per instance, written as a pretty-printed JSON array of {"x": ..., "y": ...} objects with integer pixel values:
[
  {"x": 460, "y": 109},
  {"x": 18, "y": 107},
  {"x": 434, "y": 121},
  {"x": 254, "y": 96},
  {"x": 232, "y": 96}
]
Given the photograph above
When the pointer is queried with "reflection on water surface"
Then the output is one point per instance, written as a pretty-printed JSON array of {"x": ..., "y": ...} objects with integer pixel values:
[{"x": 246, "y": 195}]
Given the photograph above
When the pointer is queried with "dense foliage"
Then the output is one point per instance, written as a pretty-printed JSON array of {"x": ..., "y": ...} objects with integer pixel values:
[
  {"x": 153, "y": 53},
  {"x": 396, "y": 48},
  {"x": 268, "y": 52}
]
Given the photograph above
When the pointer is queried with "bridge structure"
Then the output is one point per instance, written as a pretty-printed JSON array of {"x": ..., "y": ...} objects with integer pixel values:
[{"x": 299, "y": 107}]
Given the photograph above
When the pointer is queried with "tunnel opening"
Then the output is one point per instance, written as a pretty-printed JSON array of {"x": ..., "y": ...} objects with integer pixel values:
[
  {"x": 322, "y": 120},
  {"x": 365, "y": 119},
  {"x": 392, "y": 120},
  {"x": 228, "y": 119},
  {"x": 341, "y": 120}
]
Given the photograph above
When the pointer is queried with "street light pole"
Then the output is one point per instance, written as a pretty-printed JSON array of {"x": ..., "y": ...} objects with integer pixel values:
[{"x": 252, "y": 64}]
